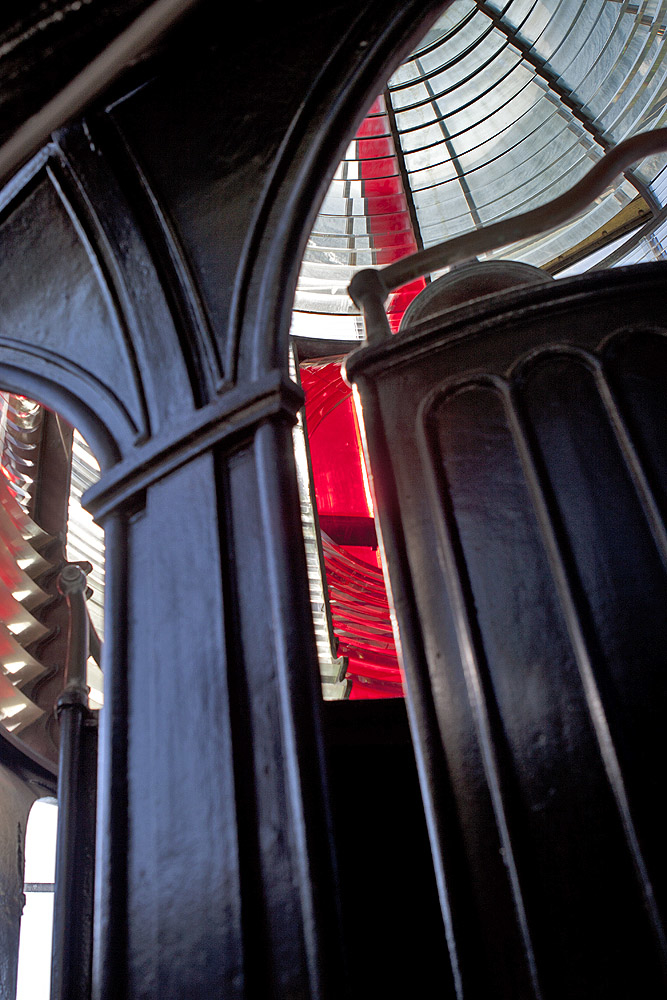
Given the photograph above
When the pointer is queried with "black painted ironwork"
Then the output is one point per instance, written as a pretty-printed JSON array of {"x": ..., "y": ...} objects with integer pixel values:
[
  {"x": 146, "y": 296},
  {"x": 517, "y": 451},
  {"x": 71, "y": 960},
  {"x": 148, "y": 261}
]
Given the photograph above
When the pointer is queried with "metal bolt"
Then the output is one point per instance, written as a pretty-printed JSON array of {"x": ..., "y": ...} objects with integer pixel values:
[{"x": 72, "y": 579}]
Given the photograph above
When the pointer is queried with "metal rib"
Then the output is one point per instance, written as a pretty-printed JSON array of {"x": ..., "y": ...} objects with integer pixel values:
[
  {"x": 592, "y": 694},
  {"x": 402, "y": 169},
  {"x": 454, "y": 572},
  {"x": 638, "y": 476},
  {"x": 449, "y": 145},
  {"x": 566, "y": 98}
]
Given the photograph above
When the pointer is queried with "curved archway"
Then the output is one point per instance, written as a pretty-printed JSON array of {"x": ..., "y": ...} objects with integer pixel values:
[{"x": 70, "y": 401}]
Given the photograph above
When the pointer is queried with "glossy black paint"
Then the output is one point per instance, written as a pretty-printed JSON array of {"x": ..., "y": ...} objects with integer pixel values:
[
  {"x": 518, "y": 454},
  {"x": 148, "y": 259},
  {"x": 72, "y": 951},
  {"x": 43, "y": 46},
  {"x": 71, "y": 961}
]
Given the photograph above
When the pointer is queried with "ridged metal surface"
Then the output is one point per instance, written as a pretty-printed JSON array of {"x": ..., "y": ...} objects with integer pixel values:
[
  {"x": 21, "y": 564},
  {"x": 522, "y": 505},
  {"x": 20, "y": 568},
  {"x": 20, "y": 431}
]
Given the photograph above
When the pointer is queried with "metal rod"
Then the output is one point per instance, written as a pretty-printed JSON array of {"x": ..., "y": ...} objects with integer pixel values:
[
  {"x": 363, "y": 289},
  {"x": 72, "y": 584},
  {"x": 72, "y": 909},
  {"x": 90, "y": 83},
  {"x": 402, "y": 169},
  {"x": 94, "y": 643},
  {"x": 649, "y": 227}
]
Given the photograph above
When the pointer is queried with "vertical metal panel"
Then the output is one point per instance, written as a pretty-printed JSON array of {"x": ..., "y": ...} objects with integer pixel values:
[
  {"x": 529, "y": 536},
  {"x": 75, "y": 857},
  {"x": 278, "y": 746},
  {"x": 184, "y": 901},
  {"x": 111, "y": 875}
]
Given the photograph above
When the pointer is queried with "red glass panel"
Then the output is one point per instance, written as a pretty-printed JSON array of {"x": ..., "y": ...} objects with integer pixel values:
[
  {"x": 334, "y": 444},
  {"x": 358, "y": 599},
  {"x": 377, "y": 107},
  {"x": 380, "y": 187},
  {"x": 359, "y": 605},
  {"x": 384, "y": 210},
  {"x": 373, "y": 125},
  {"x": 381, "y": 167},
  {"x": 371, "y": 148}
]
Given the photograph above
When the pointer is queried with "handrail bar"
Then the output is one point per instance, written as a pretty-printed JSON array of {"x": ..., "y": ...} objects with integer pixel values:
[{"x": 370, "y": 287}]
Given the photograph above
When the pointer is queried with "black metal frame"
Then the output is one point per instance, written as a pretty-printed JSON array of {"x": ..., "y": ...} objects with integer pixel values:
[
  {"x": 71, "y": 960},
  {"x": 505, "y": 437},
  {"x": 172, "y": 223},
  {"x": 148, "y": 261}
]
